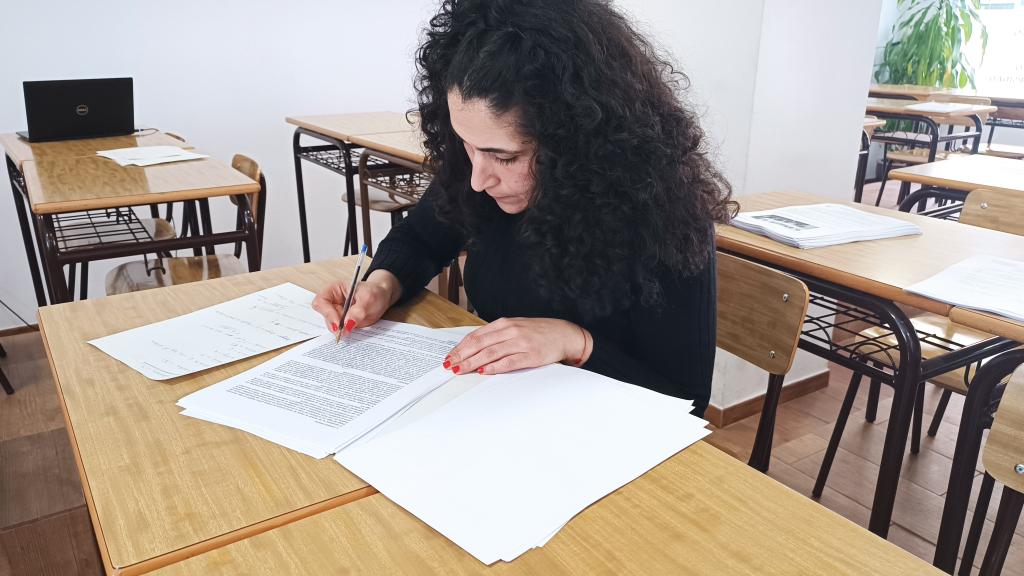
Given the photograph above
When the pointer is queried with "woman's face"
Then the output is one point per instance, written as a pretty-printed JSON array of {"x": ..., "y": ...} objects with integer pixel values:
[{"x": 501, "y": 156}]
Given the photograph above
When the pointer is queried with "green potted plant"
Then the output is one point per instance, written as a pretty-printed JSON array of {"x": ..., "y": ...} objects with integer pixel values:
[{"x": 929, "y": 42}]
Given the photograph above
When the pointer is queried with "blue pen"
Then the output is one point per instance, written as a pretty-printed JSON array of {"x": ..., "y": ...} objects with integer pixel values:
[{"x": 351, "y": 293}]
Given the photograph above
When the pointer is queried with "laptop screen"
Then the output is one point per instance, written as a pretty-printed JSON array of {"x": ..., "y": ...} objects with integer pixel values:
[{"x": 70, "y": 109}]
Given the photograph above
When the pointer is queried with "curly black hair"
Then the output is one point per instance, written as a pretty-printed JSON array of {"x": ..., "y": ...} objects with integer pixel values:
[{"x": 624, "y": 188}]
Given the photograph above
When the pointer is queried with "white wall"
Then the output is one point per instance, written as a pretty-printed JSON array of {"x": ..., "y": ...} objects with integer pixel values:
[
  {"x": 223, "y": 74},
  {"x": 779, "y": 85}
]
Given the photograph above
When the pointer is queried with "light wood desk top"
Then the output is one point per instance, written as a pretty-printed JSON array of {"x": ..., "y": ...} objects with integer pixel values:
[
  {"x": 21, "y": 151},
  {"x": 895, "y": 106},
  {"x": 407, "y": 144},
  {"x": 1004, "y": 448},
  {"x": 91, "y": 182},
  {"x": 909, "y": 90},
  {"x": 879, "y": 267},
  {"x": 161, "y": 486},
  {"x": 988, "y": 322},
  {"x": 344, "y": 126},
  {"x": 966, "y": 172},
  {"x": 700, "y": 512}
]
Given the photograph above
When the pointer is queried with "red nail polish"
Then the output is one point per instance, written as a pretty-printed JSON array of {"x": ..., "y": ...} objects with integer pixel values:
[
  {"x": 480, "y": 370},
  {"x": 448, "y": 357},
  {"x": 455, "y": 369},
  {"x": 334, "y": 326},
  {"x": 349, "y": 325},
  {"x": 446, "y": 364}
]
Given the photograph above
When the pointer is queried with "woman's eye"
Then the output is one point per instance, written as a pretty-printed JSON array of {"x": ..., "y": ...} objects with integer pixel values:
[{"x": 505, "y": 161}]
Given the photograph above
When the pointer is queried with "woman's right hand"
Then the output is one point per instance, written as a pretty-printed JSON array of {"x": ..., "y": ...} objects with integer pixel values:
[{"x": 373, "y": 297}]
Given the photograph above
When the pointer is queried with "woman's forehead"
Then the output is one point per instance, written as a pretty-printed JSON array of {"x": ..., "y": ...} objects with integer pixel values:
[{"x": 477, "y": 124}]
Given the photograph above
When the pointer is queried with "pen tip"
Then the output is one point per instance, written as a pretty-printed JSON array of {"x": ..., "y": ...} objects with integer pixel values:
[{"x": 363, "y": 249}]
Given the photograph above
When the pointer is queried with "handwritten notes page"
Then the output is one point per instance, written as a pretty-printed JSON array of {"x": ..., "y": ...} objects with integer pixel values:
[
  {"x": 323, "y": 395},
  {"x": 220, "y": 334},
  {"x": 501, "y": 467}
]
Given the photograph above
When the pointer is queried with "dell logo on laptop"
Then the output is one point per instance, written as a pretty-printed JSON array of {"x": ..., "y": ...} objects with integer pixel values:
[{"x": 81, "y": 109}]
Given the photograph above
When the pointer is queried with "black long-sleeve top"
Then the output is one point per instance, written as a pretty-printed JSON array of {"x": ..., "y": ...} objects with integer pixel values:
[{"x": 669, "y": 348}]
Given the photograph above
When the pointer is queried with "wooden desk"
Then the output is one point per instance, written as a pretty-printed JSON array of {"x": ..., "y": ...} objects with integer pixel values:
[
  {"x": 337, "y": 130},
  {"x": 700, "y": 512},
  {"x": 870, "y": 277},
  {"x": 21, "y": 150},
  {"x": 906, "y": 91},
  {"x": 881, "y": 267},
  {"x": 965, "y": 173},
  {"x": 160, "y": 486},
  {"x": 406, "y": 144},
  {"x": 896, "y": 109}
]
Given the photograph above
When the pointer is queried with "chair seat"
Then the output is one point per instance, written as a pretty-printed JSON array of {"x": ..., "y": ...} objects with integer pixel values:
[
  {"x": 133, "y": 276},
  {"x": 919, "y": 155},
  {"x": 381, "y": 201},
  {"x": 939, "y": 326}
]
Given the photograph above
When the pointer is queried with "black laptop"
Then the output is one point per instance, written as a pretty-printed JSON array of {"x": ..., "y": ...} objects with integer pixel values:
[{"x": 72, "y": 109}]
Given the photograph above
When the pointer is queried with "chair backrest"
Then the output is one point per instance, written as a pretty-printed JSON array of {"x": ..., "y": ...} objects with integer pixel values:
[
  {"x": 760, "y": 313},
  {"x": 1001, "y": 210},
  {"x": 1004, "y": 449},
  {"x": 257, "y": 201}
]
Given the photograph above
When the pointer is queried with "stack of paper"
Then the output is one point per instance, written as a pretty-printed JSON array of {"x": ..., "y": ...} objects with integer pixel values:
[
  {"x": 500, "y": 468},
  {"x": 230, "y": 331},
  {"x": 816, "y": 225},
  {"x": 149, "y": 155},
  {"x": 938, "y": 107},
  {"x": 323, "y": 395},
  {"x": 986, "y": 283}
]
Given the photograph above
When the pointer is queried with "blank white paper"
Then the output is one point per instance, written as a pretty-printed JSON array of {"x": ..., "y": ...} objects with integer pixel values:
[
  {"x": 502, "y": 466},
  {"x": 220, "y": 334}
]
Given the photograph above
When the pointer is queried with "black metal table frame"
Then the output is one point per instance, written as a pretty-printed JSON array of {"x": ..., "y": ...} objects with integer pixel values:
[
  {"x": 905, "y": 376},
  {"x": 51, "y": 259}
]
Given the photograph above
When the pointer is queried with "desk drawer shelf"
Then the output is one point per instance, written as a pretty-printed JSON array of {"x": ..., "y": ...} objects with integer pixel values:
[{"x": 330, "y": 157}]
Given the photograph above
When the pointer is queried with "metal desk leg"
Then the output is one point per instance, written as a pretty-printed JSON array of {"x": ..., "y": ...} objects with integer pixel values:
[
  {"x": 26, "y": 233},
  {"x": 983, "y": 392},
  {"x": 300, "y": 193},
  {"x": 48, "y": 249},
  {"x": 204, "y": 211},
  {"x": 977, "y": 138},
  {"x": 352, "y": 237},
  {"x": 862, "y": 167},
  {"x": 252, "y": 246},
  {"x": 905, "y": 383}
]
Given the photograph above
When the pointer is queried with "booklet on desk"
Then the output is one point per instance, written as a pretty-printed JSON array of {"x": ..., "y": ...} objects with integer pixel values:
[
  {"x": 986, "y": 283},
  {"x": 817, "y": 225}
]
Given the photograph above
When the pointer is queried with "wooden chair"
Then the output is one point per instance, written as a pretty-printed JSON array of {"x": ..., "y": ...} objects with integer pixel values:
[
  {"x": 4, "y": 382},
  {"x": 760, "y": 316},
  {"x": 168, "y": 271},
  {"x": 1002, "y": 211},
  {"x": 1003, "y": 458}
]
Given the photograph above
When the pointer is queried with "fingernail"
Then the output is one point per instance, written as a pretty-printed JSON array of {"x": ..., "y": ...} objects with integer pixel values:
[
  {"x": 455, "y": 369},
  {"x": 349, "y": 325},
  {"x": 480, "y": 370},
  {"x": 447, "y": 364},
  {"x": 448, "y": 357},
  {"x": 334, "y": 326}
]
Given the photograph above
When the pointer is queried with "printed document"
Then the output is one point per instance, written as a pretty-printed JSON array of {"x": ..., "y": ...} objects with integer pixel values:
[
  {"x": 816, "y": 225},
  {"x": 322, "y": 395},
  {"x": 149, "y": 155},
  {"x": 986, "y": 283},
  {"x": 220, "y": 334}
]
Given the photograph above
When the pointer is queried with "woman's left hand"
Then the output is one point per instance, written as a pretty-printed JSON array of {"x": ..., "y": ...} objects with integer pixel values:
[{"x": 509, "y": 344}]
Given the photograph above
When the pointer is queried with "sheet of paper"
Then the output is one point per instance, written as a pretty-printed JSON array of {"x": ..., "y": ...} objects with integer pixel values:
[
  {"x": 149, "y": 155},
  {"x": 816, "y": 225},
  {"x": 323, "y": 395},
  {"x": 986, "y": 283},
  {"x": 220, "y": 334},
  {"x": 502, "y": 466},
  {"x": 938, "y": 107}
]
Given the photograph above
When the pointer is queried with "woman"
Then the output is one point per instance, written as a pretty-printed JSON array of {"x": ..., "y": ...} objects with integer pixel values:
[{"x": 579, "y": 185}]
